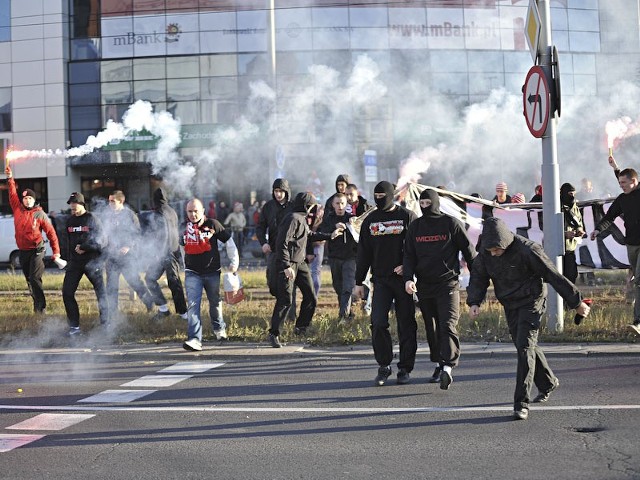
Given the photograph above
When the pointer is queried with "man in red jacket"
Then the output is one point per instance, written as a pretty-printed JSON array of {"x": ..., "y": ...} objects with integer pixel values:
[{"x": 30, "y": 221}]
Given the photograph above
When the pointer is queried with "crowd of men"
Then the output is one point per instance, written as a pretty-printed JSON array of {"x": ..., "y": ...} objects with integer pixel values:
[{"x": 409, "y": 261}]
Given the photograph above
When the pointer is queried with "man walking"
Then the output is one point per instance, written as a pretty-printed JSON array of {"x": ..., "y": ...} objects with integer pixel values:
[
  {"x": 202, "y": 271},
  {"x": 30, "y": 221},
  {"x": 573, "y": 230},
  {"x": 432, "y": 249},
  {"x": 380, "y": 248},
  {"x": 627, "y": 204},
  {"x": 85, "y": 241},
  {"x": 519, "y": 268}
]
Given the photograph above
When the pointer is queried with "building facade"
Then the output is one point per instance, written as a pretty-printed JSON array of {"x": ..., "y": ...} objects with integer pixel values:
[{"x": 70, "y": 66}]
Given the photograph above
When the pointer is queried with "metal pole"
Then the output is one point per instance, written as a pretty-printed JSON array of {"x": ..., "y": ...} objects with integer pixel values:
[{"x": 553, "y": 221}]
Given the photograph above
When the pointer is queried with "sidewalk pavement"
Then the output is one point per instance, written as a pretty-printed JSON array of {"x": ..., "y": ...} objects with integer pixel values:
[{"x": 220, "y": 350}]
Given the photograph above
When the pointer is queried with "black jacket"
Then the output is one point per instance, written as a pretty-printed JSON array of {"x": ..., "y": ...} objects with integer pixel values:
[
  {"x": 362, "y": 207},
  {"x": 627, "y": 204},
  {"x": 200, "y": 242},
  {"x": 381, "y": 242},
  {"x": 160, "y": 227},
  {"x": 343, "y": 247},
  {"x": 293, "y": 233},
  {"x": 344, "y": 178},
  {"x": 85, "y": 231},
  {"x": 432, "y": 249},
  {"x": 519, "y": 274},
  {"x": 272, "y": 214}
]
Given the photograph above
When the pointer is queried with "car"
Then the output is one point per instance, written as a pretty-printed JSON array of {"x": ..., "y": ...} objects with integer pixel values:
[{"x": 9, "y": 253}]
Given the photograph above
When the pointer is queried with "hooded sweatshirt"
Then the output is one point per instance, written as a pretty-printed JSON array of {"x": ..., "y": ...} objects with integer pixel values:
[
  {"x": 519, "y": 274},
  {"x": 433, "y": 245},
  {"x": 572, "y": 217},
  {"x": 291, "y": 244},
  {"x": 30, "y": 223},
  {"x": 86, "y": 232},
  {"x": 344, "y": 178},
  {"x": 272, "y": 214},
  {"x": 343, "y": 247},
  {"x": 382, "y": 237},
  {"x": 162, "y": 228}
]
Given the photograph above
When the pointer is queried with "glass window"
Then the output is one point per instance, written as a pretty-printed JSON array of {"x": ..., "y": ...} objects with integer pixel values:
[
  {"x": 149, "y": 68},
  {"x": 183, "y": 89},
  {"x": 150, "y": 90},
  {"x": 84, "y": 72},
  {"x": 183, "y": 67},
  {"x": 84, "y": 94},
  {"x": 218, "y": 88},
  {"x": 117, "y": 92},
  {"x": 5, "y": 109},
  {"x": 293, "y": 62},
  {"x": 116, "y": 70},
  {"x": 85, "y": 19},
  {"x": 486, "y": 62},
  {"x": 113, "y": 112},
  {"x": 339, "y": 60},
  {"x": 187, "y": 112},
  {"x": 213, "y": 111},
  {"x": 85, "y": 49},
  {"x": 5, "y": 20},
  {"x": 85, "y": 117},
  {"x": 254, "y": 64},
  {"x": 218, "y": 65}
]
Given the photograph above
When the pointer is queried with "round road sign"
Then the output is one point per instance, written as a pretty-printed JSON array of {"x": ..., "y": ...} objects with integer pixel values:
[{"x": 536, "y": 101}]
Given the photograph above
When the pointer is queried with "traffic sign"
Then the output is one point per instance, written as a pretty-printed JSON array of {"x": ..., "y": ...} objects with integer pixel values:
[
  {"x": 532, "y": 29},
  {"x": 535, "y": 97}
]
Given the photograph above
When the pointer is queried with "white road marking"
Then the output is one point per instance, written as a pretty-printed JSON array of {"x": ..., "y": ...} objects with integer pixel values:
[
  {"x": 117, "y": 396},
  {"x": 9, "y": 441},
  {"x": 156, "y": 381},
  {"x": 191, "y": 367},
  {"x": 329, "y": 410},
  {"x": 50, "y": 421}
]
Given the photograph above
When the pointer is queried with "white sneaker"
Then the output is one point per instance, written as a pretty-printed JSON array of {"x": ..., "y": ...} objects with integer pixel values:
[
  {"x": 184, "y": 316},
  {"x": 193, "y": 344},
  {"x": 220, "y": 334}
]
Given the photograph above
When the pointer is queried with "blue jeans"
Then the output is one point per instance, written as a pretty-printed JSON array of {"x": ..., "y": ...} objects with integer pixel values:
[{"x": 194, "y": 283}]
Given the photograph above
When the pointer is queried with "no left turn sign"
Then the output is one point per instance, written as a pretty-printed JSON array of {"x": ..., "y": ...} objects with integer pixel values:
[{"x": 536, "y": 101}]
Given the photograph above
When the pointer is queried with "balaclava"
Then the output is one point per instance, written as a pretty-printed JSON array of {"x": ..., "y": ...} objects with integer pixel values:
[
  {"x": 434, "y": 209},
  {"x": 566, "y": 199},
  {"x": 386, "y": 202}
]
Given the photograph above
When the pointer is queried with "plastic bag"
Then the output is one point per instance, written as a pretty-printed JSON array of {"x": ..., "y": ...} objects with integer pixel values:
[{"x": 232, "y": 287}]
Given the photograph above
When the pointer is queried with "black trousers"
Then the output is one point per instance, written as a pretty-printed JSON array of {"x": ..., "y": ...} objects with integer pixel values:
[
  {"x": 343, "y": 279},
  {"x": 32, "y": 263},
  {"x": 128, "y": 268},
  {"x": 73, "y": 274},
  {"x": 524, "y": 325},
  {"x": 284, "y": 299},
  {"x": 440, "y": 307},
  {"x": 170, "y": 266},
  {"x": 386, "y": 291},
  {"x": 569, "y": 266}
]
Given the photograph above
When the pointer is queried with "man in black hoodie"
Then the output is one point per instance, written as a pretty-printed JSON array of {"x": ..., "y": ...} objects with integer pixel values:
[
  {"x": 342, "y": 181},
  {"x": 85, "y": 242},
  {"x": 267, "y": 228},
  {"x": 519, "y": 268},
  {"x": 162, "y": 231},
  {"x": 292, "y": 269},
  {"x": 380, "y": 248},
  {"x": 431, "y": 253},
  {"x": 573, "y": 230}
]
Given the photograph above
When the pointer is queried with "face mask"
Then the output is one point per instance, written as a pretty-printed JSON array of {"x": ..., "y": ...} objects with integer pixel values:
[{"x": 386, "y": 202}]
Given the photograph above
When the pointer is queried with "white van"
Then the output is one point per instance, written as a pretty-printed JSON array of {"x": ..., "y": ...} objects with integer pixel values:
[{"x": 9, "y": 253}]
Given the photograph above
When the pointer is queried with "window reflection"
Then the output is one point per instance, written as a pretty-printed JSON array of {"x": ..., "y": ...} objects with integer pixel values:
[
  {"x": 150, "y": 90},
  {"x": 5, "y": 109},
  {"x": 5, "y": 21},
  {"x": 116, "y": 70},
  {"x": 149, "y": 68},
  {"x": 182, "y": 67},
  {"x": 183, "y": 89},
  {"x": 218, "y": 88},
  {"x": 218, "y": 65},
  {"x": 117, "y": 92}
]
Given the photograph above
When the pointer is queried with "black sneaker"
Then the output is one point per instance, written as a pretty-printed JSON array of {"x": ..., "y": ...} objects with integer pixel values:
[
  {"x": 300, "y": 331},
  {"x": 435, "y": 378},
  {"x": 445, "y": 380},
  {"x": 160, "y": 315},
  {"x": 521, "y": 413},
  {"x": 74, "y": 332},
  {"x": 544, "y": 396},
  {"x": 274, "y": 341},
  {"x": 403, "y": 377},
  {"x": 383, "y": 374}
]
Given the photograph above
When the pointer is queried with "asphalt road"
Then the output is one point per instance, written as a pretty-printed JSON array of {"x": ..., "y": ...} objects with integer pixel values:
[{"x": 309, "y": 415}]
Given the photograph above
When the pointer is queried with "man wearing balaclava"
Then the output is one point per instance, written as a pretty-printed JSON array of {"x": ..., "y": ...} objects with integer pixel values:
[
  {"x": 431, "y": 253},
  {"x": 267, "y": 228},
  {"x": 520, "y": 270},
  {"x": 380, "y": 248},
  {"x": 292, "y": 269},
  {"x": 30, "y": 221},
  {"x": 573, "y": 230}
]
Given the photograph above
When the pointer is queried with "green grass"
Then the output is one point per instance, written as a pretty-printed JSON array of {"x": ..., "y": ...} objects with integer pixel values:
[{"x": 249, "y": 320}]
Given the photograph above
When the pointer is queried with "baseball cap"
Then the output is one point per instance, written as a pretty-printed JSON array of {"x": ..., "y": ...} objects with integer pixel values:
[{"x": 76, "y": 198}]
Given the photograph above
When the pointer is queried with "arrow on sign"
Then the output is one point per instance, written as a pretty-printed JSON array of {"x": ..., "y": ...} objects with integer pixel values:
[{"x": 536, "y": 99}]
